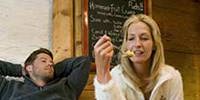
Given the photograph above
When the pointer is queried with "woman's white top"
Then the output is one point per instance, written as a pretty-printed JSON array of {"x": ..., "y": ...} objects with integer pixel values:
[{"x": 168, "y": 86}]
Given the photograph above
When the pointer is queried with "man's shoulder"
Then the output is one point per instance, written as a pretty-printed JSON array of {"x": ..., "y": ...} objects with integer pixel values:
[{"x": 75, "y": 60}]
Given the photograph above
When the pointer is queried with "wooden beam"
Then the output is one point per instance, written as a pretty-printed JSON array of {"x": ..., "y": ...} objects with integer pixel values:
[{"x": 62, "y": 36}]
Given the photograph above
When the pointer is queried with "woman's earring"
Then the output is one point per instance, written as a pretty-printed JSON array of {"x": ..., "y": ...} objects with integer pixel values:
[{"x": 154, "y": 48}]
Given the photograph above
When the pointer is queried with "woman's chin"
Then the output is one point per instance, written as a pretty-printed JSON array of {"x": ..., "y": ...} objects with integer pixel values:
[{"x": 137, "y": 60}]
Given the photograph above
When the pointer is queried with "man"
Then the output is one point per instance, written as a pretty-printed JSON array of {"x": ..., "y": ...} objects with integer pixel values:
[{"x": 43, "y": 81}]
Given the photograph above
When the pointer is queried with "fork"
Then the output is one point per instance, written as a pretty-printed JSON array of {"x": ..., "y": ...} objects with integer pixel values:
[
  {"x": 116, "y": 47},
  {"x": 125, "y": 54}
]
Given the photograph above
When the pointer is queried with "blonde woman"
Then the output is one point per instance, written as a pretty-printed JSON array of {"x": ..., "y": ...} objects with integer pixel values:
[{"x": 143, "y": 76}]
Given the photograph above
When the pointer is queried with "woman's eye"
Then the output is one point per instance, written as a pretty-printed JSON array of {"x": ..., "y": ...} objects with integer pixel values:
[
  {"x": 144, "y": 38},
  {"x": 131, "y": 38},
  {"x": 43, "y": 61}
]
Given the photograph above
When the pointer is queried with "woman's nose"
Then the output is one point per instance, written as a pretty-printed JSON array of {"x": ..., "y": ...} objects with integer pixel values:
[{"x": 138, "y": 43}]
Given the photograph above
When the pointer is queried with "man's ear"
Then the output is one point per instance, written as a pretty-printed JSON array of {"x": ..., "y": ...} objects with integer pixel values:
[{"x": 29, "y": 68}]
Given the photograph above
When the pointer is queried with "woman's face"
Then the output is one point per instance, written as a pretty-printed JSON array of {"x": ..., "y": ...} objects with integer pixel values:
[{"x": 140, "y": 42}]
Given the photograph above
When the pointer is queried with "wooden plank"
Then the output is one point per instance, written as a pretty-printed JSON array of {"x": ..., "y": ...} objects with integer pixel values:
[
  {"x": 188, "y": 65},
  {"x": 179, "y": 22},
  {"x": 78, "y": 28},
  {"x": 62, "y": 36}
]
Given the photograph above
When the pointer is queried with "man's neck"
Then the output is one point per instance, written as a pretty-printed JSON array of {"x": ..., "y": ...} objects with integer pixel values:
[{"x": 39, "y": 82}]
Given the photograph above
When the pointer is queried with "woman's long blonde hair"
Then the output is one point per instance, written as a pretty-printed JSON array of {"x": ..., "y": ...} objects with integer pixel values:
[{"x": 157, "y": 57}]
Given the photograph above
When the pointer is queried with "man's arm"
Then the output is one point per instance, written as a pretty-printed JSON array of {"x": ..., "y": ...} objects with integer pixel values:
[
  {"x": 10, "y": 69},
  {"x": 76, "y": 70}
]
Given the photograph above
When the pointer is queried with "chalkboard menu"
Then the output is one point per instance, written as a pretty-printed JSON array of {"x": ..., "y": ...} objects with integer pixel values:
[{"x": 107, "y": 17}]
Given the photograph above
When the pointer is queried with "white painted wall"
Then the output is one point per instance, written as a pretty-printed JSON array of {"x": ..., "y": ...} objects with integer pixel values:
[{"x": 25, "y": 25}]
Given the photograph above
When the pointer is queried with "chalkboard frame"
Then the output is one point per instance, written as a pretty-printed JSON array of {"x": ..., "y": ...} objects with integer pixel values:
[{"x": 85, "y": 49}]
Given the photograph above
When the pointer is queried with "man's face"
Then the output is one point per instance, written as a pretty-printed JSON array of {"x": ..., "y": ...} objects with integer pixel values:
[{"x": 42, "y": 68}]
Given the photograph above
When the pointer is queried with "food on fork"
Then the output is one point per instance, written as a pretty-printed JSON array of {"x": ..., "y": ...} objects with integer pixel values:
[{"x": 129, "y": 53}]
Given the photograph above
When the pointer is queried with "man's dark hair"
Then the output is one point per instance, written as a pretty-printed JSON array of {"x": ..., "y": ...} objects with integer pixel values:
[{"x": 34, "y": 54}]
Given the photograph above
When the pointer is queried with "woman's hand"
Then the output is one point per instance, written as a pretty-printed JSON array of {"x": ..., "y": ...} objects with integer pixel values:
[{"x": 103, "y": 50}]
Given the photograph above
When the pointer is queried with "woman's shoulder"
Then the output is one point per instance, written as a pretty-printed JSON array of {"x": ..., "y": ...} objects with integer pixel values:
[
  {"x": 169, "y": 82},
  {"x": 169, "y": 71}
]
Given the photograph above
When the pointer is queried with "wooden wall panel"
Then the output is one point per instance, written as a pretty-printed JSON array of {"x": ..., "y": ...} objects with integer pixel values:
[
  {"x": 62, "y": 36},
  {"x": 188, "y": 65},
  {"x": 78, "y": 27},
  {"x": 179, "y": 21}
]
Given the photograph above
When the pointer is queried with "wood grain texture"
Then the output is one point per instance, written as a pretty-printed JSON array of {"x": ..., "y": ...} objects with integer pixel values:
[
  {"x": 179, "y": 22},
  {"x": 62, "y": 36},
  {"x": 78, "y": 27},
  {"x": 188, "y": 65}
]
